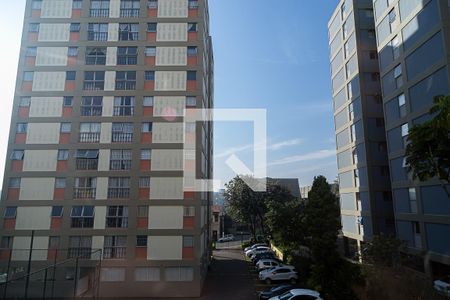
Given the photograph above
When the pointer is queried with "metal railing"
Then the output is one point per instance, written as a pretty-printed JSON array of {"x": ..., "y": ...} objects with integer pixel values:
[
  {"x": 84, "y": 192},
  {"x": 118, "y": 193},
  {"x": 121, "y": 137},
  {"x": 87, "y": 164},
  {"x": 129, "y": 12},
  {"x": 89, "y": 137},
  {"x": 120, "y": 165},
  {"x": 99, "y": 12},
  {"x": 97, "y": 36},
  {"x": 114, "y": 252},
  {"x": 93, "y": 85},
  {"x": 125, "y": 85}
]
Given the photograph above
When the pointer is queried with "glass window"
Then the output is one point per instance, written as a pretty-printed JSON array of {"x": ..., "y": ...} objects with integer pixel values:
[
  {"x": 77, "y": 4},
  {"x": 144, "y": 182},
  {"x": 36, "y": 4},
  {"x": 66, "y": 127},
  {"x": 128, "y": 31},
  {"x": 142, "y": 211},
  {"x": 191, "y": 75},
  {"x": 150, "y": 51},
  {"x": 192, "y": 51},
  {"x": 25, "y": 101},
  {"x": 10, "y": 212},
  {"x": 14, "y": 182},
  {"x": 147, "y": 127},
  {"x": 95, "y": 56},
  {"x": 188, "y": 241},
  {"x": 21, "y": 128},
  {"x": 151, "y": 27},
  {"x": 57, "y": 211},
  {"x": 148, "y": 101},
  {"x": 192, "y": 27},
  {"x": 28, "y": 76},
  {"x": 146, "y": 154},
  {"x": 127, "y": 55},
  {"x": 60, "y": 183},
  {"x": 70, "y": 75},
  {"x": 67, "y": 101},
  {"x": 17, "y": 155},
  {"x": 405, "y": 129},
  {"x": 141, "y": 241},
  {"x": 31, "y": 51},
  {"x": 33, "y": 27},
  {"x": 75, "y": 27},
  {"x": 191, "y": 101},
  {"x": 149, "y": 75},
  {"x": 63, "y": 154},
  {"x": 72, "y": 51}
]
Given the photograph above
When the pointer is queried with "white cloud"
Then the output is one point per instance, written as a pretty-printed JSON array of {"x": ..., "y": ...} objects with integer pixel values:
[
  {"x": 316, "y": 155},
  {"x": 258, "y": 146}
]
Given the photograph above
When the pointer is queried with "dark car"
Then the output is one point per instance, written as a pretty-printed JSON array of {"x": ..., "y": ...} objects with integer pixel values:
[
  {"x": 263, "y": 255},
  {"x": 275, "y": 291}
]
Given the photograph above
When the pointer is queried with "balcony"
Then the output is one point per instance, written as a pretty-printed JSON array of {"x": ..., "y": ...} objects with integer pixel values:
[
  {"x": 89, "y": 137},
  {"x": 116, "y": 222},
  {"x": 99, "y": 12},
  {"x": 87, "y": 164},
  {"x": 124, "y": 111},
  {"x": 118, "y": 193},
  {"x": 129, "y": 12},
  {"x": 125, "y": 85},
  {"x": 97, "y": 36},
  {"x": 121, "y": 137},
  {"x": 79, "y": 252},
  {"x": 114, "y": 252},
  {"x": 120, "y": 165},
  {"x": 89, "y": 111},
  {"x": 127, "y": 60},
  {"x": 94, "y": 85},
  {"x": 82, "y": 222},
  {"x": 84, "y": 192}
]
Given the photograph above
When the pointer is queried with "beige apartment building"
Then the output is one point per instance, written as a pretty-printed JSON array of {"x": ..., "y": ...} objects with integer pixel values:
[{"x": 96, "y": 159}]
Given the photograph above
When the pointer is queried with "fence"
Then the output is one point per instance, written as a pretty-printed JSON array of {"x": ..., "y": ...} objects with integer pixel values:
[{"x": 49, "y": 273}]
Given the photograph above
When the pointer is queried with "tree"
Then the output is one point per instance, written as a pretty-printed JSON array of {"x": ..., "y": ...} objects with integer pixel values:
[
  {"x": 328, "y": 272},
  {"x": 428, "y": 149},
  {"x": 383, "y": 251}
]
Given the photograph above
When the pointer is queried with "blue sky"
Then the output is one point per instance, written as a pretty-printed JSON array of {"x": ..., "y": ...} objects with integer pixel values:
[{"x": 267, "y": 55}]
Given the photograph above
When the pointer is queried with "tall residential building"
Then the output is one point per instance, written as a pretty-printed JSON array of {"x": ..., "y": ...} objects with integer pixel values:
[
  {"x": 95, "y": 153},
  {"x": 364, "y": 186},
  {"x": 413, "y": 43}
]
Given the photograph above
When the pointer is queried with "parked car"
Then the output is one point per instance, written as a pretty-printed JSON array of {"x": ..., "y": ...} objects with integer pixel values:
[
  {"x": 275, "y": 291},
  {"x": 254, "y": 250},
  {"x": 226, "y": 238},
  {"x": 271, "y": 257},
  {"x": 279, "y": 274},
  {"x": 296, "y": 294},
  {"x": 255, "y": 246},
  {"x": 443, "y": 285},
  {"x": 265, "y": 255},
  {"x": 266, "y": 263},
  {"x": 259, "y": 251}
]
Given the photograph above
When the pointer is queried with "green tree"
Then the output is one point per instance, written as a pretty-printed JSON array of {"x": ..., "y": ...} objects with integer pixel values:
[
  {"x": 428, "y": 149},
  {"x": 383, "y": 251}
]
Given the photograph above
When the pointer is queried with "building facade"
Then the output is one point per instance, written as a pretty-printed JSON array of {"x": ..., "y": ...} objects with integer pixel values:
[
  {"x": 364, "y": 186},
  {"x": 413, "y": 41},
  {"x": 96, "y": 158}
]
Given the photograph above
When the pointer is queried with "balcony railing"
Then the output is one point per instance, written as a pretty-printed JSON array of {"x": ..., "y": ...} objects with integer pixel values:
[
  {"x": 127, "y": 60},
  {"x": 89, "y": 111},
  {"x": 116, "y": 222},
  {"x": 79, "y": 252},
  {"x": 123, "y": 111},
  {"x": 97, "y": 36},
  {"x": 121, "y": 137},
  {"x": 94, "y": 85},
  {"x": 114, "y": 252},
  {"x": 84, "y": 193},
  {"x": 115, "y": 193},
  {"x": 128, "y": 36},
  {"x": 129, "y": 12},
  {"x": 87, "y": 164},
  {"x": 89, "y": 137},
  {"x": 82, "y": 222},
  {"x": 125, "y": 85},
  {"x": 120, "y": 165},
  {"x": 99, "y": 12}
]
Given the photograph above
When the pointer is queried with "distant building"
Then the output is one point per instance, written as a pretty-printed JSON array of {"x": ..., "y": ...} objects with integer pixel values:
[{"x": 291, "y": 184}]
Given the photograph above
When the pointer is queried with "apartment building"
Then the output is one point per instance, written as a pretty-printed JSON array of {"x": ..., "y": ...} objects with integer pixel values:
[
  {"x": 413, "y": 38},
  {"x": 364, "y": 185},
  {"x": 95, "y": 154}
]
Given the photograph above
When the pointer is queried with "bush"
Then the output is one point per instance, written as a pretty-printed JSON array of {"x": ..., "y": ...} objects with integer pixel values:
[
  {"x": 302, "y": 264},
  {"x": 245, "y": 245}
]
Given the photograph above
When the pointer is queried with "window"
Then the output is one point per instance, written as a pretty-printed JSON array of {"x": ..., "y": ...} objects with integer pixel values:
[
  {"x": 77, "y": 4},
  {"x": 28, "y": 76},
  {"x": 63, "y": 154},
  {"x": 144, "y": 182},
  {"x": 379, "y": 122},
  {"x": 99, "y": 8},
  {"x": 192, "y": 27},
  {"x": 25, "y": 101},
  {"x": 122, "y": 132},
  {"x": 91, "y": 106},
  {"x": 412, "y": 200},
  {"x": 125, "y": 80},
  {"x": 146, "y": 127},
  {"x": 150, "y": 51},
  {"x": 115, "y": 247},
  {"x": 395, "y": 44},
  {"x": 141, "y": 241},
  {"x": 53, "y": 242},
  {"x": 70, "y": 75},
  {"x": 60, "y": 183},
  {"x": 14, "y": 183},
  {"x": 128, "y": 31},
  {"x": 118, "y": 187},
  {"x": 355, "y": 156},
  {"x": 148, "y": 101},
  {"x": 127, "y": 55},
  {"x": 17, "y": 155},
  {"x": 356, "y": 177},
  {"x": 142, "y": 211},
  {"x": 10, "y": 212},
  {"x": 36, "y": 4},
  {"x": 398, "y": 76},
  {"x": 188, "y": 241},
  {"x": 33, "y": 27},
  {"x": 97, "y": 31},
  {"x": 67, "y": 101},
  {"x": 392, "y": 19},
  {"x": 31, "y": 52},
  {"x": 152, "y": 4},
  {"x": 117, "y": 217},
  {"x": 82, "y": 217},
  {"x": 193, "y": 4},
  {"x": 75, "y": 27},
  {"x": 151, "y": 27},
  {"x": 129, "y": 8},
  {"x": 66, "y": 127},
  {"x": 405, "y": 130},
  {"x": 123, "y": 106},
  {"x": 6, "y": 242},
  {"x": 87, "y": 159},
  {"x": 191, "y": 75},
  {"x": 94, "y": 80},
  {"x": 352, "y": 133},
  {"x": 146, "y": 154},
  {"x": 191, "y": 101},
  {"x": 189, "y": 211},
  {"x": 120, "y": 160},
  {"x": 21, "y": 127},
  {"x": 191, "y": 51},
  {"x": 80, "y": 246},
  {"x": 402, "y": 105},
  {"x": 85, "y": 187},
  {"x": 57, "y": 211},
  {"x": 149, "y": 75},
  {"x": 72, "y": 51},
  {"x": 179, "y": 274},
  {"x": 95, "y": 56}
]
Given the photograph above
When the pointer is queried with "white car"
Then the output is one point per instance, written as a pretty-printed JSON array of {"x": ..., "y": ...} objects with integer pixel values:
[
  {"x": 279, "y": 274},
  {"x": 226, "y": 238},
  {"x": 260, "y": 251},
  {"x": 263, "y": 264},
  {"x": 255, "y": 246},
  {"x": 299, "y": 294},
  {"x": 248, "y": 253},
  {"x": 443, "y": 285}
]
